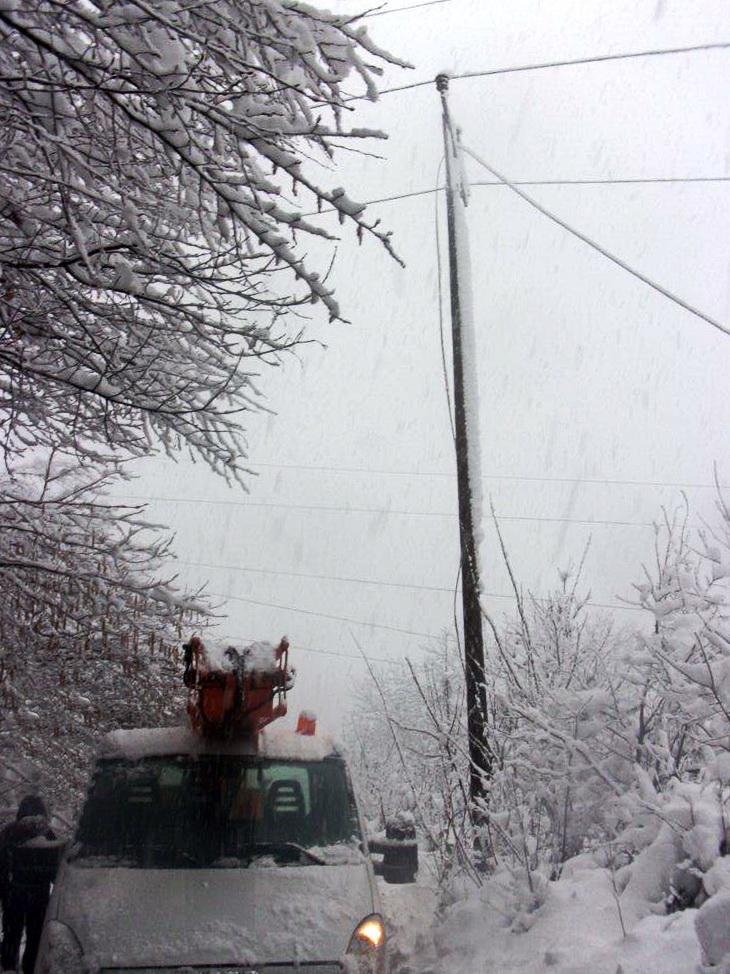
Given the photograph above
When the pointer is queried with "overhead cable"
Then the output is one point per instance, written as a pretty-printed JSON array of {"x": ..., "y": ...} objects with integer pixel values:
[
  {"x": 667, "y": 180},
  {"x": 597, "y": 247},
  {"x": 335, "y": 618},
  {"x": 597, "y": 481},
  {"x": 325, "y": 615},
  {"x": 389, "y": 512},
  {"x": 399, "y": 10},
  {"x": 544, "y": 65},
  {"x": 380, "y": 583}
]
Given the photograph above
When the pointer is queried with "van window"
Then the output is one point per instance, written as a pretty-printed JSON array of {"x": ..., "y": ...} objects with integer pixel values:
[{"x": 185, "y": 811}]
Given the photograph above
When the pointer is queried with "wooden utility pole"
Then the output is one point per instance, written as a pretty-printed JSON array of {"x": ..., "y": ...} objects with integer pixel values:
[{"x": 467, "y": 478}]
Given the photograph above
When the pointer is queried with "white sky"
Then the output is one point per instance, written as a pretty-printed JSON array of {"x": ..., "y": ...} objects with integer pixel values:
[{"x": 585, "y": 373}]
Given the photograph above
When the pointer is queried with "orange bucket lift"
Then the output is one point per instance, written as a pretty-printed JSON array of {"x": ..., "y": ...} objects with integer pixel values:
[{"x": 239, "y": 693}]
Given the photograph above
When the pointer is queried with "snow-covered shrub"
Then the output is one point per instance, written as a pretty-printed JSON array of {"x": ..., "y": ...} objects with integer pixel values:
[
  {"x": 407, "y": 747},
  {"x": 669, "y": 872},
  {"x": 712, "y": 924},
  {"x": 551, "y": 694},
  {"x": 684, "y": 665},
  {"x": 555, "y": 698}
]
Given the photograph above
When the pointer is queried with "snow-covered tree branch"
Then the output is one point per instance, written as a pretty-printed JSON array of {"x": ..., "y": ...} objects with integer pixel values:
[
  {"x": 143, "y": 226},
  {"x": 89, "y": 618},
  {"x": 156, "y": 163}
]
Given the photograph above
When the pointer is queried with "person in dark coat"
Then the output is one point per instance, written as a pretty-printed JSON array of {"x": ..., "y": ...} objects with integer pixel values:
[{"x": 28, "y": 856}]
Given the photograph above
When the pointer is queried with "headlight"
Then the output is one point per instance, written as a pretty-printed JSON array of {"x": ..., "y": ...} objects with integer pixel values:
[
  {"x": 60, "y": 951},
  {"x": 367, "y": 945}
]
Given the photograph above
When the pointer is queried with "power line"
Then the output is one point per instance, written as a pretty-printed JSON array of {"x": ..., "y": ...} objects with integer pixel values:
[
  {"x": 597, "y": 247},
  {"x": 355, "y": 622},
  {"x": 639, "y": 181},
  {"x": 390, "y": 512},
  {"x": 596, "y": 59},
  {"x": 379, "y": 583},
  {"x": 323, "y": 578},
  {"x": 596, "y": 481},
  {"x": 619, "y": 181},
  {"x": 541, "y": 66},
  {"x": 398, "y": 10},
  {"x": 325, "y": 615}
]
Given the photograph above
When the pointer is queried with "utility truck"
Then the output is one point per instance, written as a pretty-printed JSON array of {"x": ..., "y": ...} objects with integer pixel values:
[{"x": 229, "y": 846}]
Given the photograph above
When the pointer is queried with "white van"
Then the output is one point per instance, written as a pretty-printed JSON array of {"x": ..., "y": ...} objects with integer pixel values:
[{"x": 195, "y": 854}]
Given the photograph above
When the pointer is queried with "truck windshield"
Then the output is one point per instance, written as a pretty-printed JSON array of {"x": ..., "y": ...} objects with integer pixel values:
[{"x": 185, "y": 811}]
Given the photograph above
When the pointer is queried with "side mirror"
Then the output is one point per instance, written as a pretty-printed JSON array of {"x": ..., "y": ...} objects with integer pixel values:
[{"x": 399, "y": 850}]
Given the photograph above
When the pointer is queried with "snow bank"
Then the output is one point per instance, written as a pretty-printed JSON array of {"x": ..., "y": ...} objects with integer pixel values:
[
  {"x": 576, "y": 929},
  {"x": 712, "y": 924},
  {"x": 685, "y": 847}
]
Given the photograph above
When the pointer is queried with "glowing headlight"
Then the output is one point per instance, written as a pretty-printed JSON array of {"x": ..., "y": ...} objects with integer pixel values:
[{"x": 368, "y": 944}]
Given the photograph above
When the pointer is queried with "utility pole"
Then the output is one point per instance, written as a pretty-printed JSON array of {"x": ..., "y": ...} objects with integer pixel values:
[{"x": 467, "y": 472}]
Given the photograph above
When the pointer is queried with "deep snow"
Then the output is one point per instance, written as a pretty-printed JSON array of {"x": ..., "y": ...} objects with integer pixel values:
[{"x": 576, "y": 930}]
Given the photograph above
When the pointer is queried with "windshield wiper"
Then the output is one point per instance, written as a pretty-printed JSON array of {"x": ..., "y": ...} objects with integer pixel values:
[{"x": 272, "y": 848}]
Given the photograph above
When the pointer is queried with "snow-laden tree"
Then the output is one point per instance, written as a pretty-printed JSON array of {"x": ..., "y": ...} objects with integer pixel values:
[
  {"x": 74, "y": 565},
  {"x": 555, "y": 696},
  {"x": 90, "y": 620},
  {"x": 560, "y": 722},
  {"x": 157, "y": 161},
  {"x": 56, "y": 705},
  {"x": 150, "y": 154}
]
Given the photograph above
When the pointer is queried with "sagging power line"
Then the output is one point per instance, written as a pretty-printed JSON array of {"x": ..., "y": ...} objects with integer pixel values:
[
  {"x": 385, "y": 511},
  {"x": 546, "y": 65},
  {"x": 382, "y": 583},
  {"x": 592, "y": 481},
  {"x": 638, "y": 181},
  {"x": 325, "y": 615},
  {"x": 400, "y": 10},
  {"x": 665, "y": 292}
]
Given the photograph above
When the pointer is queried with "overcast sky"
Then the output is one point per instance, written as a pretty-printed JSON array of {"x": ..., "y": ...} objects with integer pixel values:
[{"x": 598, "y": 396}]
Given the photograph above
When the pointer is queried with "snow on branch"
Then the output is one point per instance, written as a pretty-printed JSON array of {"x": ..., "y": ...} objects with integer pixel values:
[{"x": 150, "y": 156}]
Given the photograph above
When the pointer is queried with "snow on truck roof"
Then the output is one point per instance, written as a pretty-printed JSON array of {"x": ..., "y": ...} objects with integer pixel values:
[{"x": 277, "y": 743}]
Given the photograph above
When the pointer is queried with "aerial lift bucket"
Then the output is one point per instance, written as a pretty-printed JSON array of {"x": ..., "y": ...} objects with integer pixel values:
[{"x": 239, "y": 696}]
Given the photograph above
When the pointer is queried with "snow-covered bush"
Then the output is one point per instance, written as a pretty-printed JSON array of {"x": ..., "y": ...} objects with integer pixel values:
[
  {"x": 555, "y": 696},
  {"x": 557, "y": 775},
  {"x": 407, "y": 746},
  {"x": 684, "y": 665},
  {"x": 602, "y": 739},
  {"x": 685, "y": 845}
]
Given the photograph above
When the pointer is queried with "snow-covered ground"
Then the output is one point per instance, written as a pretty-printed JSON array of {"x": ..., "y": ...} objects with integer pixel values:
[
  {"x": 576, "y": 930},
  {"x": 410, "y": 913}
]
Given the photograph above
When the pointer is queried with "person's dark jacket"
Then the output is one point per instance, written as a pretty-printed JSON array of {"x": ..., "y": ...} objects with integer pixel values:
[{"x": 28, "y": 850}]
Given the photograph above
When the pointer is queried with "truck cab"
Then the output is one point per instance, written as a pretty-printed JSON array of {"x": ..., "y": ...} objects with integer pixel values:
[{"x": 243, "y": 854}]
